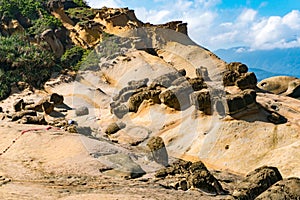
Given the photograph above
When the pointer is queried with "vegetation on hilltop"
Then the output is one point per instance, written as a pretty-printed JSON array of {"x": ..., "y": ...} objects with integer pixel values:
[{"x": 22, "y": 60}]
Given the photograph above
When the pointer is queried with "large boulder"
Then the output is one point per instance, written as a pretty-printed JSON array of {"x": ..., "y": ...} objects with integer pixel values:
[
  {"x": 276, "y": 84},
  {"x": 114, "y": 128},
  {"x": 241, "y": 101},
  {"x": 56, "y": 99},
  {"x": 186, "y": 175},
  {"x": 238, "y": 67},
  {"x": 177, "y": 97},
  {"x": 246, "y": 81},
  {"x": 48, "y": 107},
  {"x": 158, "y": 150},
  {"x": 202, "y": 101},
  {"x": 284, "y": 189},
  {"x": 257, "y": 182}
]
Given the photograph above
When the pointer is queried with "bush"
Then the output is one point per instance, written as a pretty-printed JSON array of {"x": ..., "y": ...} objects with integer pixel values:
[{"x": 22, "y": 61}]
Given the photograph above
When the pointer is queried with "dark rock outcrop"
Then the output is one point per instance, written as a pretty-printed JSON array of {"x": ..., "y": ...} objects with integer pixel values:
[
  {"x": 136, "y": 100},
  {"x": 284, "y": 189},
  {"x": 56, "y": 99},
  {"x": 186, "y": 175},
  {"x": 48, "y": 107},
  {"x": 247, "y": 81},
  {"x": 202, "y": 101},
  {"x": 237, "y": 67},
  {"x": 114, "y": 128},
  {"x": 257, "y": 182},
  {"x": 241, "y": 101},
  {"x": 158, "y": 150}
]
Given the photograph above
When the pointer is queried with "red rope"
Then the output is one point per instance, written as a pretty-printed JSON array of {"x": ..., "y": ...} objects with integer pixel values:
[{"x": 22, "y": 133}]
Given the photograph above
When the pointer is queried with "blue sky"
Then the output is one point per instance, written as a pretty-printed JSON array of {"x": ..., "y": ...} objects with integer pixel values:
[{"x": 219, "y": 24}]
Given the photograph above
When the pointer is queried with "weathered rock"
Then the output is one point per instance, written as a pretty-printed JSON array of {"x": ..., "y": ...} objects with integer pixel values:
[
  {"x": 165, "y": 80},
  {"x": 48, "y": 107},
  {"x": 136, "y": 100},
  {"x": 21, "y": 114},
  {"x": 229, "y": 78},
  {"x": 239, "y": 102},
  {"x": 55, "y": 44},
  {"x": 19, "y": 105},
  {"x": 120, "y": 111},
  {"x": 246, "y": 81},
  {"x": 40, "y": 120},
  {"x": 158, "y": 150},
  {"x": 71, "y": 129},
  {"x": 202, "y": 101},
  {"x": 114, "y": 127},
  {"x": 81, "y": 111},
  {"x": 277, "y": 84},
  {"x": 122, "y": 166},
  {"x": 200, "y": 178},
  {"x": 177, "y": 97},
  {"x": 197, "y": 83},
  {"x": 56, "y": 99},
  {"x": 237, "y": 67},
  {"x": 293, "y": 89},
  {"x": 202, "y": 73},
  {"x": 131, "y": 89},
  {"x": 188, "y": 175},
  {"x": 257, "y": 182},
  {"x": 276, "y": 118},
  {"x": 285, "y": 189}
]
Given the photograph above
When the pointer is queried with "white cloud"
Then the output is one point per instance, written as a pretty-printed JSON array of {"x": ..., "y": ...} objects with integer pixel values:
[
  {"x": 107, "y": 3},
  {"x": 248, "y": 15}
]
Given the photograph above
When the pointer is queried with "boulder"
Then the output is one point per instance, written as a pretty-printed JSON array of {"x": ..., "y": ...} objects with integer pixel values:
[
  {"x": 186, "y": 175},
  {"x": 284, "y": 189},
  {"x": 238, "y": 67},
  {"x": 202, "y": 101},
  {"x": 56, "y": 99},
  {"x": 158, "y": 150},
  {"x": 114, "y": 128},
  {"x": 229, "y": 78},
  {"x": 18, "y": 115},
  {"x": 120, "y": 111},
  {"x": 136, "y": 100},
  {"x": 177, "y": 97},
  {"x": 122, "y": 166},
  {"x": 81, "y": 111},
  {"x": 39, "y": 120},
  {"x": 278, "y": 84},
  {"x": 257, "y": 182},
  {"x": 235, "y": 103},
  {"x": 48, "y": 107},
  {"x": 202, "y": 73},
  {"x": 199, "y": 177},
  {"x": 197, "y": 83},
  {"x": 246, "y": 81}
]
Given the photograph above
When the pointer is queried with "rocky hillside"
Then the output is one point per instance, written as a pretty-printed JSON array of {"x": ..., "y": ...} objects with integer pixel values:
[{"x": 97, "y": 104}]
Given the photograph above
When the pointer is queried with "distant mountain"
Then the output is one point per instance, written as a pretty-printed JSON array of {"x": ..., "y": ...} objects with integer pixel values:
[{"x": 265, "y": 63}]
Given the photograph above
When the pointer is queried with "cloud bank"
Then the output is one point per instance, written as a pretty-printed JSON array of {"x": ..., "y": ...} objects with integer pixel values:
[{"x": 217, "y": 28}]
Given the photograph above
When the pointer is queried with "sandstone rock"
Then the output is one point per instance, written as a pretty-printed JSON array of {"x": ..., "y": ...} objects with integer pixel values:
[
  {"x": 277, "y": 84},
  {"x": 19, "y": 105},
  {"x": 71, "y": 129},
  {"x": 123, "y": 166},
  {"x": 48, "y": 107},
  {"x": 293, "y": 89},
  {"x": 239, "y": 102},
  {"x": 246, "y": 81},
  {"x": 190, "y": 175},
  {"x": 202, "y": 101},
  {"x": 177, "y": 97},
  {"x": 56, "y": 99},
  {"x": 136, "y": 100},
  {"x": 81, "y": 111},
  {"x": 131, "y": 89},
  {"x": 285, "y": 189},
  {"x": 229, "y": 78},
  {"x": 39, "y": 120},
  {"x": 55, "y": 44},
  {"x": 120, "y": 111},
  {"x": 114, "y": 127},
  {"x": 257, "y": 182},
  {"x": 197, "y": 83},
  {"x": 158, "y": 150},
  {"x": 21, "y": 114},
  {"x": 237, "y": 67},
  {"x": 202, "y": 73},
  {"x": 165, "y": 80}
]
